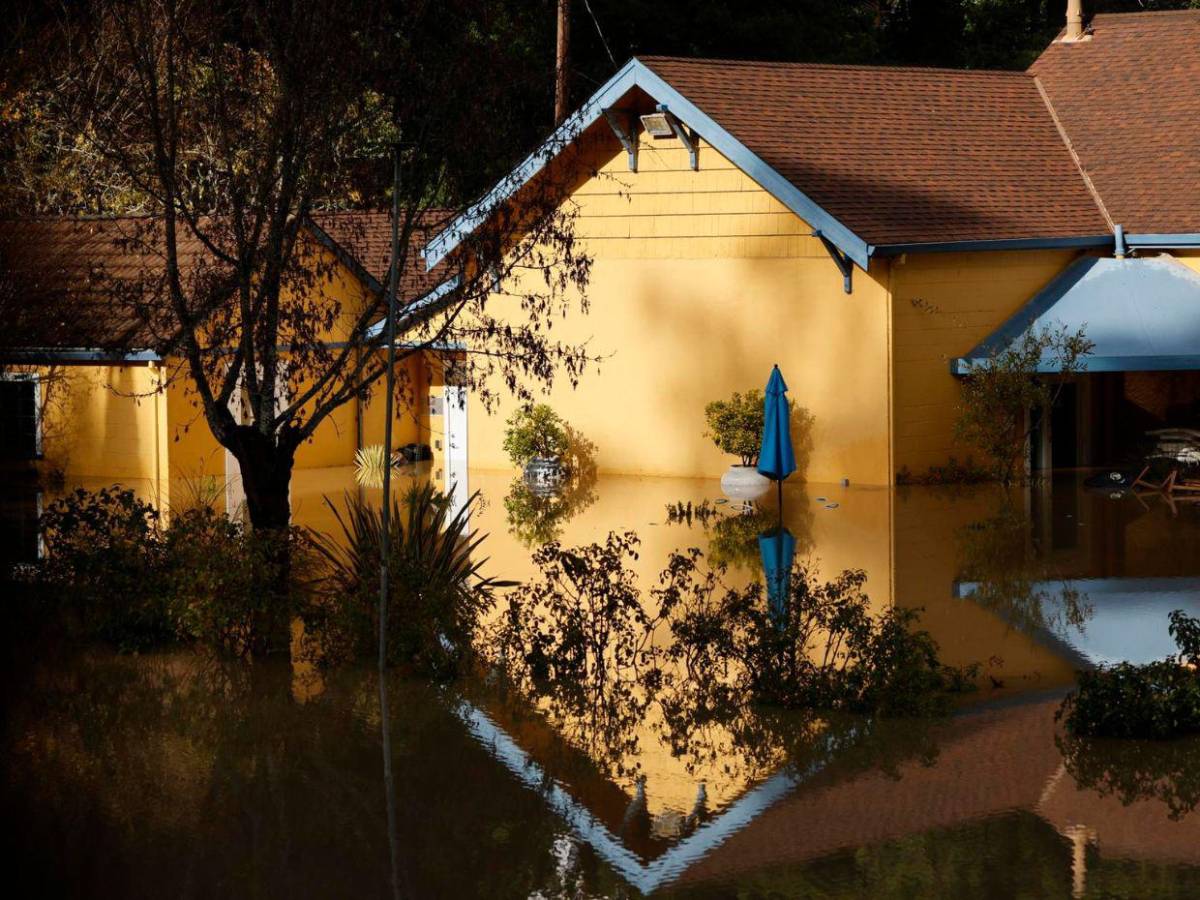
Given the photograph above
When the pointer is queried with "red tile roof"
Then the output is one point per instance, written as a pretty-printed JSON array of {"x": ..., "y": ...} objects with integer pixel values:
[
  {"x": 69, "y": 283},
  {"x": 902, "y": 155},
  {"x": 66, "y": 282},
  {"x": 367, "y": 237},
  {"x": 1129, "y": 100}
]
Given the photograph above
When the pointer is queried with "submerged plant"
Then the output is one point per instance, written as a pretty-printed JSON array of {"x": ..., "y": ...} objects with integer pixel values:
[
  {"x": 135, "y": 582},
  {"x": 580, "y": 638},
  {"x": 437, "y": 588},
  {"x": 536, "y": 514},
  {"x": 820, "y": 648},
  {"x": 104, "y": 564},
  {"x": 586, "y": 646},
  {"x": 370, "y": 463},
  {"x": 1003, "y": 398}
]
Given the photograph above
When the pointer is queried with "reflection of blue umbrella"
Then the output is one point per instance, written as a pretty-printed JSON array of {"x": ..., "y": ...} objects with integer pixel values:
[
  {"x": 776, "y": 459},
  {"x": 777, "y": 548}
]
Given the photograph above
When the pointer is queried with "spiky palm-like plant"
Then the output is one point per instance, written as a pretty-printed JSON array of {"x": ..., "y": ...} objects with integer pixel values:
[
  {"x": 438, "y": 589},
  {"x": 369, "y": 463}
]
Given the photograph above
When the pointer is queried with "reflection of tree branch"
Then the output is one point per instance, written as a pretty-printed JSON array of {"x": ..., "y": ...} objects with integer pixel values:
[
  {"x": 993, "y": 554},
  {"x": 1166, "y": 771}
]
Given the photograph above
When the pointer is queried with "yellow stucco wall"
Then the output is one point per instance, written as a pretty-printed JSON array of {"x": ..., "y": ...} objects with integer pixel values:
[
  {"x": 700, "y": 282},
  {"x": 106, "y": 421},
  {"x": 943, "y": 305}
]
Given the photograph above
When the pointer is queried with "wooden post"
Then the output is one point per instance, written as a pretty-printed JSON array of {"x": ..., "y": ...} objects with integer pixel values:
[{"x": 562, "y": 59}]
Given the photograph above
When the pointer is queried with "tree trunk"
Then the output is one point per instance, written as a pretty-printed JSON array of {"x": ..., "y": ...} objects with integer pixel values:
[{"x": 266, "y": 481}]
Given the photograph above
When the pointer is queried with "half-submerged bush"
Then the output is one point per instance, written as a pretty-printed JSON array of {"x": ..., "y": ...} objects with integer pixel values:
[
  {"x": 1157, "y": 701},
  {"x": 128, "y": 578},
  {"x": 536, "y": 431},
  {"x": 437, "y": 593},
  {"x": 817, "y": 646}
]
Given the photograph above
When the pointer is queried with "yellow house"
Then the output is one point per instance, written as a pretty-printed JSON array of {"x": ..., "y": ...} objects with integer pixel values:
[
  {"x": 86, "y": 394},
  {"x": 865, "y": 228},
  {"x": 874, "y": 231}
]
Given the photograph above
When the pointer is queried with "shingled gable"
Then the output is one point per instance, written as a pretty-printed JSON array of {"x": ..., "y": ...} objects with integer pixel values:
[{"x": 876, "y": 159}]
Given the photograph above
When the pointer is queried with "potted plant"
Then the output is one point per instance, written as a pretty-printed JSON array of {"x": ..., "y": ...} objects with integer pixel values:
[
  {"x": 537, "y": 440},
  {"x": 735, "y": 426}
]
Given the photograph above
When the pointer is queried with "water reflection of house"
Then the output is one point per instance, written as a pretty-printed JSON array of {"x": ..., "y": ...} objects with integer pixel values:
[{"x": 994, "y": 762}]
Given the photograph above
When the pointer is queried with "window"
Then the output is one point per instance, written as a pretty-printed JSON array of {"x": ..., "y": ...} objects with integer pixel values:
[{"x": 20, "y": 419}]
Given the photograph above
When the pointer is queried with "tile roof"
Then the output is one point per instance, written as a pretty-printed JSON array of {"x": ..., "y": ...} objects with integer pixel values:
[
  {"x": 70, "y": 280},
  {"x": 66, "y": 282},
  {"x": 367, "y": 237},
  {"x": 901, "y": 155},
  {"x": 1129, "y": 99}
]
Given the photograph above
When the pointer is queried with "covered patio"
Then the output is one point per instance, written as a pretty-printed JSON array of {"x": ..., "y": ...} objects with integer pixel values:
[{"x": 1141, "y": 378}]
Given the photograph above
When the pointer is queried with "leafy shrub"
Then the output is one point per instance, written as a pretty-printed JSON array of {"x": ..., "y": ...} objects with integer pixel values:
[
  {"x": 534, "y": 431},
  {"x": 579, "y": 637},
  {"x": 1158, "y": 700},
  {"x": 104, "y": 564},
  {"x": 827, "y": 651},
  {"x": 437, "y": 592},
  {"x": 736, "y": 425},
  {"x": 135, "y": 583},
  {"x": 997, "y": 397},
  {"x": 230, "y": 588}
]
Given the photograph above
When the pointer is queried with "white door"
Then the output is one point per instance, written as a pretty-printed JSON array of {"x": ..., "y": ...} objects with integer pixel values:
[{"x": 455, "y": 424}]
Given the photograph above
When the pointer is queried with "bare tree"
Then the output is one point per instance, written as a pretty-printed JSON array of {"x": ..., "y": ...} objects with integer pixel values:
[{"x": 229, "y": 125}]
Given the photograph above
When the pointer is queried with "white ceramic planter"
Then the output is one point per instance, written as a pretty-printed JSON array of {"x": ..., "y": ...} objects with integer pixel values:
[{"x": 744, "y": 483}]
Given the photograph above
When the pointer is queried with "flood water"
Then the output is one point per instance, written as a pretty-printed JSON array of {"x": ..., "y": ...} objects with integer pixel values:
[{"x": 172, "y": 774}]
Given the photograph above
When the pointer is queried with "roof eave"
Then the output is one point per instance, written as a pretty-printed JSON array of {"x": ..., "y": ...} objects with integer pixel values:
[{"x": 1032, "y": 243}]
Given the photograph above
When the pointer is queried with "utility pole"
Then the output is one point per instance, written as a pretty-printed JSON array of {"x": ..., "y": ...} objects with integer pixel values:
[
  {"x": 386, "y": 524},
  {"x": 562, "y": 59}
]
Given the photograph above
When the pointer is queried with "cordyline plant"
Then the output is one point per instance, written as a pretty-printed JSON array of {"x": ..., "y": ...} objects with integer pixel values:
[
  {"x": 226, "y": 127},
  {"x": 1004, "y": 398}
]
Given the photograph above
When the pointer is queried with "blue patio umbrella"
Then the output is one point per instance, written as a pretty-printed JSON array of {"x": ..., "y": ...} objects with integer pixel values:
[
  {"x": 777, "y": 548},
  {"x": 776, "y": 458}
]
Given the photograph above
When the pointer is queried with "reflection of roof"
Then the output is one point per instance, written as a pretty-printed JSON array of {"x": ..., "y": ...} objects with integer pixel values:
[{"x": 987, "y": 763}]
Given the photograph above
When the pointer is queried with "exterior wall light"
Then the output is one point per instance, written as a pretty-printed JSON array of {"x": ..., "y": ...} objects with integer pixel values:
[{"x": 658, "y": 124}]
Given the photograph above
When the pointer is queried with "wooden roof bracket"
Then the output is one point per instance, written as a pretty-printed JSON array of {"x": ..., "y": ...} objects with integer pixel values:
[
  {"x": 626, "y": 134},
  {"x": 844, "y": 263},
  {"x": 686, "y": 136}
]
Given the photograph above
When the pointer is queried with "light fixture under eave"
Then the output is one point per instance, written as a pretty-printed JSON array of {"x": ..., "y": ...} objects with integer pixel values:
[{"x": 658, "y": 124}]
